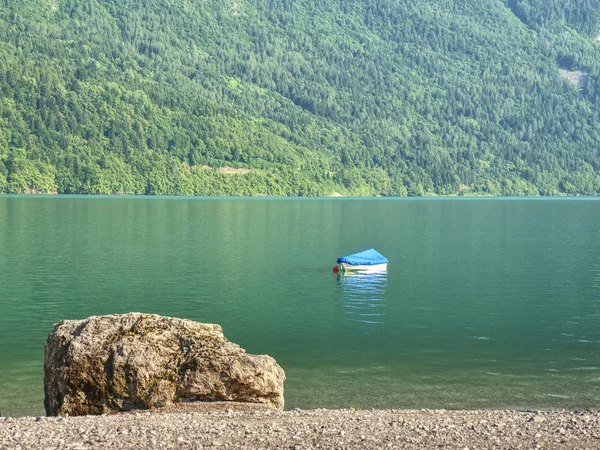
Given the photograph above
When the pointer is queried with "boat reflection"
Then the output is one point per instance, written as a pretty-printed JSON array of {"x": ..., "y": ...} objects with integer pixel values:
[{"x": 364, "y": 298}]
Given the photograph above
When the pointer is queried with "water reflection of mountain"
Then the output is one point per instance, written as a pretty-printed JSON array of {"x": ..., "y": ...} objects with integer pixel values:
[{"x": 364, "y": 298}]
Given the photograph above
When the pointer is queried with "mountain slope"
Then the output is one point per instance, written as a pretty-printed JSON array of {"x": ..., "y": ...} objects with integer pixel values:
[{"x": 359, "y": 97}]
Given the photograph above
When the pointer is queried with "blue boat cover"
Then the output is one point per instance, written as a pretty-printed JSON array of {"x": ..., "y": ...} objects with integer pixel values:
[{"x": 365, "y": 258}]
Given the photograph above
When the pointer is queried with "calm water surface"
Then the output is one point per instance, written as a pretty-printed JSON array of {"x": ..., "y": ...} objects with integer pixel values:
[{"x": 489, "y": 303}]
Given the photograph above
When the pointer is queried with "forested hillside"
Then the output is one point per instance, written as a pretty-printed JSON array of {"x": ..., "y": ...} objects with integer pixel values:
[{"x": 304, "y": 97}]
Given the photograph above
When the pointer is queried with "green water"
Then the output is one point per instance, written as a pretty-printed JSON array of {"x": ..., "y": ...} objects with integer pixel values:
[{"x": 487, "y": 303}]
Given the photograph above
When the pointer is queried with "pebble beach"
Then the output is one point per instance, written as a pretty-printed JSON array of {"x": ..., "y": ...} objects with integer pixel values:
[{"x": 221, "y": 426}]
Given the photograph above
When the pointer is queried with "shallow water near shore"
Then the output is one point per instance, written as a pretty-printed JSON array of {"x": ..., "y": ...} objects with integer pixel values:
[{"x": 487, "y": 303}]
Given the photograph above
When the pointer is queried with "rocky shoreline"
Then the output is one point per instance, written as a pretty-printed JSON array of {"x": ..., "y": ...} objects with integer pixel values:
[
  {"x": 169, "y": 374},
  {"x": 231, "y": 426}
]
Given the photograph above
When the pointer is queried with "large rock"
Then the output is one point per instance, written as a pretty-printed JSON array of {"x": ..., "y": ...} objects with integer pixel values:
[{"x": 115, "y": 363}]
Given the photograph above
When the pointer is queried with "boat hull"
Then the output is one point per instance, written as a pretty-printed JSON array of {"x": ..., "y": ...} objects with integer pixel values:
[{"x": 358, "y": 268}]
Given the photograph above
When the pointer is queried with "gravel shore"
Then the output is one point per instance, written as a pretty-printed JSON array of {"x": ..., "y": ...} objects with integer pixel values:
[{"x": 225, "y": 427}]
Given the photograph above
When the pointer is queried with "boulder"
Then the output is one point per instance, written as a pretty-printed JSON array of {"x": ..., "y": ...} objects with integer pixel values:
[{"x": 116, "y": 363}]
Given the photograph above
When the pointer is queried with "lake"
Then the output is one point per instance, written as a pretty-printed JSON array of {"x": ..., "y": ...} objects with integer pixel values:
[{"x": 487, "y": 303}]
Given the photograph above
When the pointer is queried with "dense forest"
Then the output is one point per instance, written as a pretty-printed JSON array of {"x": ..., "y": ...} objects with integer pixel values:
[{"x": 300, "y": 97}]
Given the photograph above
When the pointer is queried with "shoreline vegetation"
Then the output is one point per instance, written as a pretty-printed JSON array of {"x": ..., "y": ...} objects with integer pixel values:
[
  {"x": 247, "y": 426},
  {"x": 35, "y": 193},
  {"x": 251, "y": 183}
]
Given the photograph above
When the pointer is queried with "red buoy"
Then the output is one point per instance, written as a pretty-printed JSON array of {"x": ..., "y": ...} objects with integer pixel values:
[{"x": 336, "y": 269}]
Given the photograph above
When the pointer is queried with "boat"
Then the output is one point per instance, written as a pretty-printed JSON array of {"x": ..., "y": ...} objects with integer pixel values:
[{"x": 366, "y": 261}]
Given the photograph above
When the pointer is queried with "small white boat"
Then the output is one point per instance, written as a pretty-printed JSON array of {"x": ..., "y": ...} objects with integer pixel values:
[
  {"x": 362, "y": 268},
  {"x": 368, "y": 261}
]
